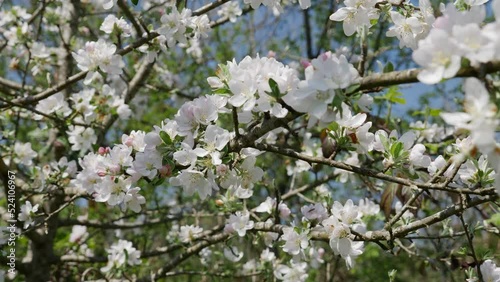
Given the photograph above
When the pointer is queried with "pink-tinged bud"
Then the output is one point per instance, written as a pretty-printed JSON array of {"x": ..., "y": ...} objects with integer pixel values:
[
  {"x": 271, "y": 54},
  {"x": 85, "y": 30},
  {"x": 115, "y": 168},
  {"x": 321, "y": 252},
  {"x": 305, "y": 63},
  {"x": 219, "y": 202},
  {"x": 101, "y": 173},
  {"x": 221, "y": 169},
  {"x": 129, "y": 141},
  {"x": 103, "y": 151},
  {"x": 165, "y": 171}
]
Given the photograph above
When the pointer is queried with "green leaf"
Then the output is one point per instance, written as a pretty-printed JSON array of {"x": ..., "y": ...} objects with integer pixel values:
[
  {"x": 353, "y": 88},
  {"x": 275, "y": 90},
  {"x": 165, "y": 138},
  {"x": 388, "y": 67},
  {"x": 394, "y": 96},
  {"x": 396, "y": 149},
  {"x": 134, "y": 2},
  {"x": 434, "y": 112},
  {"x": 495, "y": 219}
]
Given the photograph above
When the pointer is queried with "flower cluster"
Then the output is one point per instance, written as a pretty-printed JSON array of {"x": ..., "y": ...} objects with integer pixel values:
[
  {"x": 256, "y": 85},
  {"x": 356, "y": 14},
  {"x": 109, "y": 175},
  {"x": 323, "y": 76},
  {"x": 121, "y": 254},
  {"x": 111, "y": 22},
  {"x": 413, "y": 27},
  {"x": 98, "y": 55},
  {"x": 455, "y": 35},
  {"x": 179, "y": 27}
]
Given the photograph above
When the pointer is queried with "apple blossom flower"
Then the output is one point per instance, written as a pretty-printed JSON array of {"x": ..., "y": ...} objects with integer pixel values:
[
  {"x": 133, "y": 200},
  {"x": 267, "y": 255},
  {"x": 473, "y": 43},
  {"x": 314, "y": 212},
  {"x": 193, "y": 181},
  {"x": 98, "y": 54},
  {"x": 267, "y": 206},
  {"x": 347, "y": 213},
  {"x": 344, "y": 175},
  {"x": 111, "y": 22},
  {"x": 365, "y": 102},
  {"x": 82, "y": 104},
  {"x": 215, "y": 139},
  {"x": 477, "y": 172},
  {"x": 239, "y": 222},
  {"x": 78, "y": 234},
  {"x": 24, "y": 154},
  {"x": 174, "y": 26},
  {"x": 355, "y": 15},
  {"x": 347, "y": 249},
  {"x": 297, "y": 272},
  {"x": 147, "y": 163},
  {"x": 27, "y": 211},
  {"x": 189, "y": 232},
  {"x": 120, "y": 254},
  {"x": 188, "y": 156},
  {"x": 479, "y": 116},
  {"x": 439, "y": 56},
  {"x": 81, "y": 138},
  {"x": 53, "y": 104},
  {"x": 490, "y": 271},
  {"x": 367, "y": 207},
  {"x": 230, "y": 10},
  {"x": 294, "y": 241},
  {"x": 325, "y": 74},
  {"x": 405, "y": 29}
]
